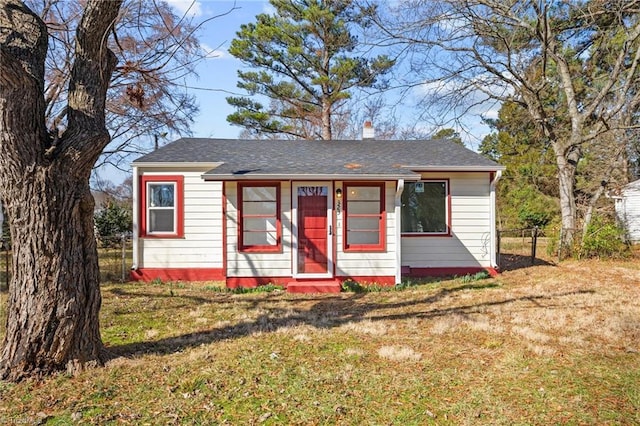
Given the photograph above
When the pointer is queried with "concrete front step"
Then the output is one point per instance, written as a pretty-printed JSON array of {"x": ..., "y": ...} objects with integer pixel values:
[{"x": 326, "y": 286}]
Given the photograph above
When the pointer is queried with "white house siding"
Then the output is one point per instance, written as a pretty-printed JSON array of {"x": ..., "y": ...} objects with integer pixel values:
[
  {"x": 258, "y": 264},
  {"x": 628, "y": 210},
  {"x": 369, "y": 264},
  {"x": 201, "y": 246},
  {"x": 470, "y": 242}
]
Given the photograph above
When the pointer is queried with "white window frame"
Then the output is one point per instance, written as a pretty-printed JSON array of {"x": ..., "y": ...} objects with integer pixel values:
[{"x": 149, "y": 184}]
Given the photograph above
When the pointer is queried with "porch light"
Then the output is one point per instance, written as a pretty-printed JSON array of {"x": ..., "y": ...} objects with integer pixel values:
[{"x": 339, "y": 193}]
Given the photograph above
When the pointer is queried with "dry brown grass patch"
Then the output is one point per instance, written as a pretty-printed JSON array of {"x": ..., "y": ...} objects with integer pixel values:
[{"x": 541, "y": 345}]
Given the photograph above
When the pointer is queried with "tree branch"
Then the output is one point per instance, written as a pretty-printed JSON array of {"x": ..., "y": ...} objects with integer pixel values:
[{"x": 90, "y": 78}]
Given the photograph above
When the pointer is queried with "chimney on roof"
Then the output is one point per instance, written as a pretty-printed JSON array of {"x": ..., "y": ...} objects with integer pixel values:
[{"x": 367, "y": 131}]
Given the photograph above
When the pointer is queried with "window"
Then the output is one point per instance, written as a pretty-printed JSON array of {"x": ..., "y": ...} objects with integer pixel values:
[
  {"x": 364, "y": 217},
  {"x": 162, "y": 215},
  {"x": 425, "y": 207},
  {"x": 259, "y": 217}
]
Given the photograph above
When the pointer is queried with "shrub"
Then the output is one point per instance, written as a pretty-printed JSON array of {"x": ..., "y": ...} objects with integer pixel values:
[
  {"x": 353, "y": 287},
  {"x": 469, "y": 278},
  {"x": 603, "y": 239},
  {"x": 112, "y": 219}
]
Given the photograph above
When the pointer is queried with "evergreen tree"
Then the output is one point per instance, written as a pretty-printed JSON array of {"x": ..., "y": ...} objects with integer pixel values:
[
  {"x": 449, "y": 134},
  {"x": 528, "y": 191},
  {"x": 304, "y": 61},
  {"x": 113, "y": 219}
]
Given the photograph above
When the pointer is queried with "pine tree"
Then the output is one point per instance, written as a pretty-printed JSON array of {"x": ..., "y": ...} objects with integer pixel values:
[{"x": 303, "y": 59}]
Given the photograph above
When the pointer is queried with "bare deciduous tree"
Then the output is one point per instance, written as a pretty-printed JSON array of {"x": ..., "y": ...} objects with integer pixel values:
[
  {"x": 155, "y": 48},
  {"x": 572, "y": 65}
]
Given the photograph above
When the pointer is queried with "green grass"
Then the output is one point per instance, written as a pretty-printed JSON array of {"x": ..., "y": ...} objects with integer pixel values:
[{"x": 543, "y": 345}]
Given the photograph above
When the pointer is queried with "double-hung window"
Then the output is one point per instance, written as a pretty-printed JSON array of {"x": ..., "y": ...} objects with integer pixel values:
[
  {"x": 259, "y": 217},
  {"x": 425, "y": 208},
  {"x": 364, "y": 217},
  {"x": 163, "y": 206}
]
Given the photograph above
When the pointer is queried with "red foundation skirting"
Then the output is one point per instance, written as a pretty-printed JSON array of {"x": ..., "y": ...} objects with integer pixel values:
[
  {"x": 234, "y": 282},
  {"x": 217, "y": 274},
  {"x": 177, "y": 274},
  {"x": 250, "y": 282}
]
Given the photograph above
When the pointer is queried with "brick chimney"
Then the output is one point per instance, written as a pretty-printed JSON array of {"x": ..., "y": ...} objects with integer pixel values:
[{"x": 367, "y": 131}]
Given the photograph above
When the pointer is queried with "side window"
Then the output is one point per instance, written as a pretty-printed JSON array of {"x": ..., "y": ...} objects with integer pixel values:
[
  {"x": 162, "y": 212},
  {"x": 364, "y": 217},
  {"x": 259, "y": 217},
  {"x": 425, "y": 207},
  {"x": 161, "y": 208}
]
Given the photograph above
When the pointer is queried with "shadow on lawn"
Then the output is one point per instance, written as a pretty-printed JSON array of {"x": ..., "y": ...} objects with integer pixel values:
[
  {"x": 328, "y": 312},
  {"x": 120, "y": 292},
  {"x": 511, "y": 262}
]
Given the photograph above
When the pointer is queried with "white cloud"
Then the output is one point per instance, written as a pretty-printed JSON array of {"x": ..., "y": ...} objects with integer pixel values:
[
  {"x": 213, "y": 53},
  {"x": 268, "y": 9},
  {"x": 189, "y": 7}
]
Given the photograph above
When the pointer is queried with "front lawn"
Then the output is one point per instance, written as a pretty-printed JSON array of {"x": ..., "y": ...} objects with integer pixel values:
[{"x": 540, "y": 345}]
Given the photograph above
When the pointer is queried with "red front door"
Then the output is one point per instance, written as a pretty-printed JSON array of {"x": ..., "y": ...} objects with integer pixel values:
[{"x": 312, "y": 230}]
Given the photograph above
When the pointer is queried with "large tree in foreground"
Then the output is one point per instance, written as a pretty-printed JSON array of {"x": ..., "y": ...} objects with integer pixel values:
[
  {"x": 572, "y": 65},
  {"x": 155, "y": 48},
  {"x": 304, "y": 63},
  {"x": 54, "y": 295}
]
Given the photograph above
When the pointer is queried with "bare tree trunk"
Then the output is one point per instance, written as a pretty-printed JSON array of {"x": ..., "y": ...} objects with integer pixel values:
[
  {"x": 568, "y": 209},
  {"x": 54, "y": 295},
  {"x": 326, "y": 119},
  {"x": 56, "y": 278}
]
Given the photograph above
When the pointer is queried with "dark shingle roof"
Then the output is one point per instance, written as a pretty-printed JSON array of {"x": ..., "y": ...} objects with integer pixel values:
[{"x": 253, "y": 158}]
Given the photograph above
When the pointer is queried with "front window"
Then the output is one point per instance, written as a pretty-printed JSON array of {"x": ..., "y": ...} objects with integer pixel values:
[
  {"x": 364, "y": 217},
  {"x": 425, "y": 207},
  {"x": 259, "y": 217}
]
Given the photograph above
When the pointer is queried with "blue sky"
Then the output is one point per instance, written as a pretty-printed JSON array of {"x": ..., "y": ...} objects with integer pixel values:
[{"x": 217, "y": 76}]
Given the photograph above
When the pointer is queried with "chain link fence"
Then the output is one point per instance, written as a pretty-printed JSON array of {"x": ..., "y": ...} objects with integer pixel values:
[
  {"x": 518, "y": 248},
  {"x": 114, "y": 258}
]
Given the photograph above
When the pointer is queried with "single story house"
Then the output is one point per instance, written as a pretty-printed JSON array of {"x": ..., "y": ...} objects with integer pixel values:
[
  {"x": 627, "y": 206},
  {"x": 310, "y": 213}
]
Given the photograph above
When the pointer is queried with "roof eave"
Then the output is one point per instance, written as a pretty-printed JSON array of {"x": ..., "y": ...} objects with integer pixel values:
[
  {"x": 455, "y": 168},
  {"x": 275, "y": 177},
  {"x": 176, "y": 165}
]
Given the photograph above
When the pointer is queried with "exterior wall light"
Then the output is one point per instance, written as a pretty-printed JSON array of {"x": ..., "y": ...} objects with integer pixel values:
[{"x": 339, "y": 193}]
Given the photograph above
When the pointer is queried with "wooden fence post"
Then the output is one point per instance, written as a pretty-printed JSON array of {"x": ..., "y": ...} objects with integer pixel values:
[
  {"x": 123, "y": 239},
  {"x": 498, "y": 237},
  {"x": 534, "y": 243}
]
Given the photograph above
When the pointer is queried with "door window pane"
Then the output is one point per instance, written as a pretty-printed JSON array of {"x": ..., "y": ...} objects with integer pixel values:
[{"x": 364, "y": 217}]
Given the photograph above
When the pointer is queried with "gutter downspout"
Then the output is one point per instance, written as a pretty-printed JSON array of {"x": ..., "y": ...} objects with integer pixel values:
[
  {"x": 397, "y": 211},
  {"x": 136, "y": 218},
  {"x": 494, "y": 235}
]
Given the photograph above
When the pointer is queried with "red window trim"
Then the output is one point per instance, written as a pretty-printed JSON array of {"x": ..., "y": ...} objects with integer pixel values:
[
  {"x": 448, "y": 201},
  {"x": 259, "y": 248},
  {"x": 382, "y": 220},
  {"x": 178, "y": 180}
]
